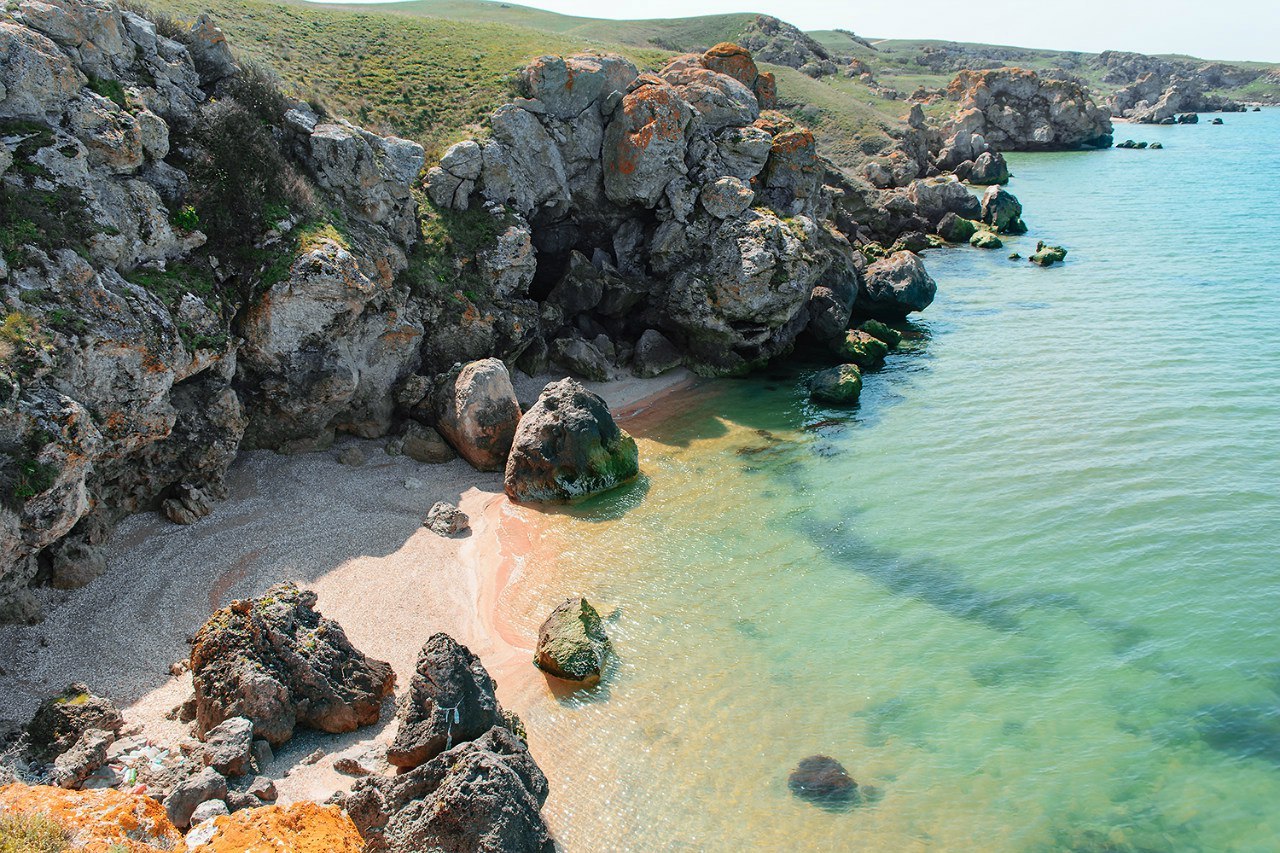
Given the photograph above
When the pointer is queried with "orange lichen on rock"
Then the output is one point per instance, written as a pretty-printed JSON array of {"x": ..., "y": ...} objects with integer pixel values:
[
  {"x": 774, "y": 123},
  {"x": 766, "y": 90},
  {"x": 794, "y": 141},
  {"x": 300, "y": 828},
  {"x": 733, "y": 60},
  {"x": 652, "y": 111},
  {"x": 100, "y": 820}
]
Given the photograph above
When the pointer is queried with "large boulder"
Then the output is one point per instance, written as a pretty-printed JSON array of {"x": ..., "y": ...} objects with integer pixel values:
[
  {"x": 484, "y": 796},
  {"x": 934, "y": 198},
  {"x": 989, "y": 168},
  {"x": 228, "y": 747},
  {"x": 897, "y": 285},
  {"x": 278, "y": 662},
  {"x": 572, "y": 643},
  {"x": 477, "y": 412},
  {"x": 655, "y": 354},
  {"x": 567, "y": 447},
  {"x": 1002, "y": 211},
  {"x": 450, "y": 700},
  {"x": 192, "y": 792}
]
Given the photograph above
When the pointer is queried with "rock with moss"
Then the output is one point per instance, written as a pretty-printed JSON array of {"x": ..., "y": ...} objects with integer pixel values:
[
  {"x": 896, "y": 286},
  {"x": 840, "y": 385},
  {"x": 1046, "y": 255},
  {"x": 572, "y": 644},
  {"x": 277, "y": 662},
  {"x": 985, "y": 239},
  {"x": 568, "y": 447},
  {"x": 863, "y": 349},
  {"x": 956, "y": 229},
  {"x": 1002, "y": 211},
  {"x": 889, "y": 335}
]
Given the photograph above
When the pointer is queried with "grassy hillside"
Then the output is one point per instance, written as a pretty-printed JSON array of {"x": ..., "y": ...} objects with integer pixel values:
[
  {"x": 428, "y": 79},
  {"x": 675, "y": 34}
]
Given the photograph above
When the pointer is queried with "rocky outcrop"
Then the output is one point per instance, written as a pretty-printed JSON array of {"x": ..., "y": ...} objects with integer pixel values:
[
  {"x": 572, "y": 643},
  {"x": 780, "y": 43},
  {"x": 484, "y": 795},
  {"x": 450, "y": 700},
  {"x": 477, "y": 412},
  {"x": 667, "y": 202},
  {"x": 1012, "y": 109},
  {"x": 568, "y": 447},
  {"x": 279, "y": 663}
]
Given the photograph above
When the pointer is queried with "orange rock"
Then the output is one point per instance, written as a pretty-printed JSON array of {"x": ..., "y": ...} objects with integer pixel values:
[
  {"x": 98, "y": 820},
  {"x": 734, "y": 60},
  {"x": 767, "y": 90},
  {"x": 299, "y": 828}
]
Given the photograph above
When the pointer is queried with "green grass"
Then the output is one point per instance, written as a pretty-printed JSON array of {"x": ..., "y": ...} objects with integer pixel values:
[
  {"x": 431, "y": 80},
  {"x": 31, "y": 833},
  {"x": 110, "y": 89}
]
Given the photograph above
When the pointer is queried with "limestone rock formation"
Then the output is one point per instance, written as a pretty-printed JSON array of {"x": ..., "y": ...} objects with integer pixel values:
[
  {"x": 450, "y": 700},
  {"x": 279, "y": 663},
  {"x": 477, "y": 412},
  {"x": 568, "y": 447},
  {"x": 483, "y": 795},
  {"x": 1012, "y": 109},
  {"x": 572, "y": 643}
]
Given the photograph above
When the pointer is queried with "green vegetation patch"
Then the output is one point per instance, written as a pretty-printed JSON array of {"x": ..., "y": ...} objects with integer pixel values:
[
  {"x": 31, "y": 833},
  {"x": 445, "y": 258},
  {"x": 110, "y": 89}
]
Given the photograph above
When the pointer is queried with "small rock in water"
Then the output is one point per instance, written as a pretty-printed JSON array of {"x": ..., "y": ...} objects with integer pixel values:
[
  {"x": 572, "y": 643},
  {"x": 840, "y": 385},
  {"x": 823, "y": 781},
  {"x": 1046, "y": 255},
  {"x": 351, "y": 456},
  {"x": 446, "y": 519}
]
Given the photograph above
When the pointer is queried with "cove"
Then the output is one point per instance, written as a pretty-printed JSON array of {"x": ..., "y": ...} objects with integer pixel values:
[{"x": 1026, "y": 589}]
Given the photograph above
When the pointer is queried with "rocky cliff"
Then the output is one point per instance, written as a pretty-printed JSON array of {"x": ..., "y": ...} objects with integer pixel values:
[{"x": 194, "y": 264}]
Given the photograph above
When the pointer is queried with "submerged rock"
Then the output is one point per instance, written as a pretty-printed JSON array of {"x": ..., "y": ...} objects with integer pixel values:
[
  {"x": 477, "y": 412},
  {"x": 572, "y": 643},
  {"x": 450, "y": 700},
  {"x": 890, "y": 336},
  {"x": 1047, "y": 256},
  {"x": 823, "y": 781},
  {"x": 278, "y": 662},
  {"x": 568, "y": 446},
  {"x": 484, "y": 795},
  {"x": 840, "y": 385},
  {"x": 863, "y": 349},
  {"x": 986, "y": 240}
]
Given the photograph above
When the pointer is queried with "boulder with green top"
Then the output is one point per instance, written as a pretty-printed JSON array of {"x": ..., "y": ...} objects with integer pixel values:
[
  {"x": 986, "y": 240},
  {"x": 863, "y": 349},
  {"x": 572, "y": 644},
  {"x": 1002, "y": 211},
  {"x": 1047, "y": 256},
  {"x": 956, "y": 229},
  {"x": 568, "y": 447},
  {"x": 840, "y": 385},
  {"x": 890, "y": 336},
  {"x": 62, "y": 718}
]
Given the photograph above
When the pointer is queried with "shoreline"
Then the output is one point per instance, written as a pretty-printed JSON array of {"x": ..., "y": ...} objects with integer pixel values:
[{"x": 330, "y": 527}]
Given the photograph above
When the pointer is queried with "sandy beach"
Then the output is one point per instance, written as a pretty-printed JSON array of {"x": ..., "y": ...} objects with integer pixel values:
[{"x": 352, "y": 534}]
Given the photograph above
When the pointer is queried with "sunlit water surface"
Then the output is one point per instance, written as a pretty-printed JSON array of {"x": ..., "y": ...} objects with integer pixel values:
[{"x": 1028, "y": 589}]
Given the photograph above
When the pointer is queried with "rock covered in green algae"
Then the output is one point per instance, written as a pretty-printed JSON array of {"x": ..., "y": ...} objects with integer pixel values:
[
  {"x": 568, "y": 446},
  {"x": 890, "y": 336},
  {"x": 956, "y": 229},
  {"x": 1002, "y": 211},
  {"x": 572, "y": 643},
  {"x": 841, "y": 384},
  {"x": 986, "y": 240},
  {"x": 862, "y": 348},
  {"x": 1047, "y": 256}
]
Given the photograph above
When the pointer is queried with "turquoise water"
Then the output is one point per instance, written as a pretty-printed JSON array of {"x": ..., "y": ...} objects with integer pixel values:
[{"x": 1028, "y": 589}]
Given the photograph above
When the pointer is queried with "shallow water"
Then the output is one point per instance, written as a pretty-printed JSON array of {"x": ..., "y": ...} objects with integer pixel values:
[{"x": 1027, "y": 589}]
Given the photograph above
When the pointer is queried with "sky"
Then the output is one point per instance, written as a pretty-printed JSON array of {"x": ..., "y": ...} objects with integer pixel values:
[{"x": 1213, "y": 29}]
